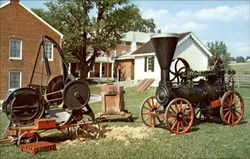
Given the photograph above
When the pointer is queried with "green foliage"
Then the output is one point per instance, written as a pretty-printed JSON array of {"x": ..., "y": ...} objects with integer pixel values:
[
  {"x": 232, "y": 58},
  {"x": 247, "y": 58},
  {"x": 219, "y": 51},
  {"x": 90, "y": 23},
  {"x": 240, "y": 59}
]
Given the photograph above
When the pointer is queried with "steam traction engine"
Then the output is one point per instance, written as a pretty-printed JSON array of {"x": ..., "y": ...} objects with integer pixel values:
[{"x": 180, "y": 99}]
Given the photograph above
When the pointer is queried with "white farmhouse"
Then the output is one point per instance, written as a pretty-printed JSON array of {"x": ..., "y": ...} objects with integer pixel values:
[{"x": 189, "y": 47}]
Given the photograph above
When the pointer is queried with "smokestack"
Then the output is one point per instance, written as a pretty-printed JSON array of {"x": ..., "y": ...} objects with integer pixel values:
[
  {"x": 14, "y": 1},
  {"x": 164, "y": 46}
]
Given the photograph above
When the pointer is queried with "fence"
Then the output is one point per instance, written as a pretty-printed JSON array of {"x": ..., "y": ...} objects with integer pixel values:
[{"x": 242, "y": 81}]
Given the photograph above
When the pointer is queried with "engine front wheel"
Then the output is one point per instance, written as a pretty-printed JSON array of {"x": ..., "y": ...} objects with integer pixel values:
[
  {"x": 152, "y": 113},
  {"x": 179, "y": 116}
]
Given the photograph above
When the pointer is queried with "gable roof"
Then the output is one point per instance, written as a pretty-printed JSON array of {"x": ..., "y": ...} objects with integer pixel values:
[
  {"x": 34, "y": 14},
  {"x": 147, "y": 48}
]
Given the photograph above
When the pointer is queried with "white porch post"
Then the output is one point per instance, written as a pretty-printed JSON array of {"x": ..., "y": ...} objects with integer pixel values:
[
  {"x": 88, "y": 74},
  {"x": 100, "y": 74},
  {"x": 69, "y": 70},
  {"x": 112, "y": 70}
]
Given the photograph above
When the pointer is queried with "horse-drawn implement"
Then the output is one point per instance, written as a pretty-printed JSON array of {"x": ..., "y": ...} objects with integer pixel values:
[{"x": 180, "y": 99}]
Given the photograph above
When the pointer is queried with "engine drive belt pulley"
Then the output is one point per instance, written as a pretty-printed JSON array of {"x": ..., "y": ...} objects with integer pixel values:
[{"x": 76, "y": 94}]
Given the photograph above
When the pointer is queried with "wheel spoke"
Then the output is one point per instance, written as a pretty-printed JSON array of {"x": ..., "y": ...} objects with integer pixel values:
[
  {"x": 153, "y": 103},
  {"x": 176, "y": 106},
  {"x": 178, "y": 125},
  {"x": 147, "y": 118},
  {"x": 181, "y": 106},
  {"x": 172, "y": 120},
  {"x": 226, "y": 114},
  {"x": 149, "y": 104},
  {"x": 182, "y": 126},
  {"x": 236, "y": 102},
  {"x": 232, "y": 118},
  {"x": 228, "y": 120},
  {"x": 159, "y": 120},
  {"x": 236, "y": 111},
  {"x": 173, "y": 126},
  {"x": 186, "y": 122},
  {"x": 148, "y": 113},
  {"x": 173, "y": 110},
  {"x": 154, "y": 120},
  {"x": 187, "y": 117},
  {"x": 147, "y": 108},
  {"x": 170, "y": 115},
  {"x": 189, "y": 111},
  {"x": 226, "y": 109}
]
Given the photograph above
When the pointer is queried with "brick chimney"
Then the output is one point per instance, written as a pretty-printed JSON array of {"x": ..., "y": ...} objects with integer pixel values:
[
  {"x": 158, "y": 31},
  {"x": 14, "y": 1}
]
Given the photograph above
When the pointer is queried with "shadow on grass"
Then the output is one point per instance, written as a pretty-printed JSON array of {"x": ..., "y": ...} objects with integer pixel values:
[{"x": 133, "y": 119}]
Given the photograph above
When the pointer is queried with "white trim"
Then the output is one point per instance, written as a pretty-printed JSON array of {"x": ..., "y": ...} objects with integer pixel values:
[
  {"x": 20, "y": 83},
  {"x": 30, "y": 11},
  {"x": 21, "y": 50},
  {"x": 5, "y": 4},
  {"x": 201, "y": 45},
  {"x": 144, "y": 54}
]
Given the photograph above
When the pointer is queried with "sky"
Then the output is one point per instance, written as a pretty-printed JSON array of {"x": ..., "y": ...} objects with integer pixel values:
[{"x": 227, "y": 21}]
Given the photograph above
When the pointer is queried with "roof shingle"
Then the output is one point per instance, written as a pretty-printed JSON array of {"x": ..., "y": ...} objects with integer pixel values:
[{"x": 148, "y": 48}]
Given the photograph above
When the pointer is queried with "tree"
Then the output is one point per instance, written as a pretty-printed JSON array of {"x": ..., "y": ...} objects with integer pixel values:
[
  {"x": 82, "y": 28},
  {"x": 247, "y": 58},
  {"x": 240, "y": 59},
  {"x": 232, "y": 58},
  {"x": 219, "y": 51}
]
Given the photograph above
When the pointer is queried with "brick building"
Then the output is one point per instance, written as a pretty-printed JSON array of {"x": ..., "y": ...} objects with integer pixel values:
[
  {"x": 118, "y": 62},
  {"x": 20, "y": 35}
]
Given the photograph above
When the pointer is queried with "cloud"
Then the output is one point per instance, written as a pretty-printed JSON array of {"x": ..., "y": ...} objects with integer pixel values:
[
  {"x": 224, "y": 13},
  {"x": 167, "y": 22},
  {"x": 150, "y": 13},
  {"x": 239, "y": 48}
]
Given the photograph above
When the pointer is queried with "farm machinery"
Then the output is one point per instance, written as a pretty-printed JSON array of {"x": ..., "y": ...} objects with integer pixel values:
[
  {"x": 184, "y": 95},
  {"x": 61, "y": 104}
]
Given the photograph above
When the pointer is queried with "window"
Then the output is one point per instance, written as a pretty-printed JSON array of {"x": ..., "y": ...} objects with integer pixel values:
[
  {"x": 49, "y": 51},
  {"x": 149, "y": 64},
  {"x": 15, "y": 79},
  {"x": 15, "y": 49}
]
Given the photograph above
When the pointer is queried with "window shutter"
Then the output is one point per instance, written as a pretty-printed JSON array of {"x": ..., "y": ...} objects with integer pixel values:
[
  {"x": 153, "y": 63},
  {"x": 145, "y": 64}
]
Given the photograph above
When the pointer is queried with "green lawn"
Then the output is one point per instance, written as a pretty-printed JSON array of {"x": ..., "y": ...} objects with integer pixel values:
[
  {"x": 134, "y": 140},
  {"x": 241, "y": 68}
]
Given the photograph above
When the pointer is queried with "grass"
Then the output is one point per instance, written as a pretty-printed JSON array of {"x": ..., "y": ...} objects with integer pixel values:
[
  {"x": 207, "y": 140},
  {"x": 241, "y": 68}
]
